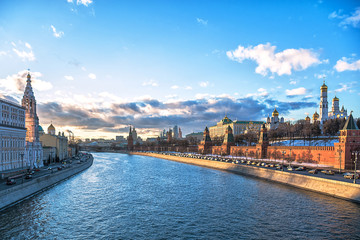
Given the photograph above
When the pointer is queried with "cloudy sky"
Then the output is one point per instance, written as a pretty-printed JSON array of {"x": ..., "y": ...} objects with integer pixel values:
[{"x": 98, "y": 66}]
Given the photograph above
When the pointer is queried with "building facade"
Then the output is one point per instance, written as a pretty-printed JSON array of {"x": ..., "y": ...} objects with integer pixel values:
[
  {"x": 238, "y": 127},
  {"x": 335, "y": 112},
  {"x": 34, "y": 151},
  {"x": 60, "y": 142},
  {"x": 12, "y": 136},
  {"x": 274, "y": 122}
]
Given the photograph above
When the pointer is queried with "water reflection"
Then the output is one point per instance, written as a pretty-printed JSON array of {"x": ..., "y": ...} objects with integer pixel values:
[{"x": 135, "y": 197}]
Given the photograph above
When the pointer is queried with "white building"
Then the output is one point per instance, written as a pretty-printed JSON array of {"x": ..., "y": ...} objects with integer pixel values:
[
  {"x": 274, "y": 121},
  {"x": 335, "y": 109},
  {"x": 34, "y": 151},
  {"x": 12, "y": 136}
]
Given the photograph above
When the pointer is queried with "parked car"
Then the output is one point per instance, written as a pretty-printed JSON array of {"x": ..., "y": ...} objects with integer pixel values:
[
  {"x": 313, "y": 171},
  {"x": 59, "y": 168},
  {"x": 300, "y": 169},
  {"x": 329, "y": 172},
  {"x": 10, "y": 181},
  {"x": 290, "y": 169},
  {"x": 350, "y": 175},
  {"x": 28, "y": 176}
]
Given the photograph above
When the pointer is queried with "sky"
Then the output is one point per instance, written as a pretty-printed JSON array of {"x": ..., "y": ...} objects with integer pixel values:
[{"x": 99, "y": 66}]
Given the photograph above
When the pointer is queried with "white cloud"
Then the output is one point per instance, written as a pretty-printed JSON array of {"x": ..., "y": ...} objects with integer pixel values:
[
  {"x": 261, "y": 92},
  {"x": 175, "y": 87},
  {"x": 151, "y": 83},
  {"x": 15, "y": 84},
  {"x": 201, "y": 21},
  {"x": 25, "y": 54},
  {"x": 84, "y": 2},
  {"x": 296, "y": 91},
  {"x": 320, "y": 76},
  {"x": 92, "y": 76},
  {"x": 346, "y": 87},
  {"x": 352, "y": 20},
  {"x": 83, "y": 68},
  {"x": 293, "y": 82},
  {"x": 70, "y": 78},
  {"x": 28, "y": 45},
  {"x": 171, "y": 96},
  {"x": 69, "y": 1},
  {"x": 337, "y": 14},
  {"x": 3, "y": 53},
  {"x": 280, "y": 63},
  {"x": 204, "y": 84},
  {"x": 55, "y": 33},
  {"x": 188, "y": 88},
  {"x": 344, "y": 65}
]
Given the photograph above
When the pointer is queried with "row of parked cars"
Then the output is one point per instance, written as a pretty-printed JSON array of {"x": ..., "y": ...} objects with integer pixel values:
[{"x": 257, "y": 163}]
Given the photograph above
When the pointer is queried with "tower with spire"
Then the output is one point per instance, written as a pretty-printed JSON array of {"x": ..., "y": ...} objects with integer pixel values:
[
  {"x": 349, "y": 141},
  {"x": 205, "y": 147},
  {"x": 34, "y": 149},
  {"x": 130, "y": 140},
  {"x": 323, "y": 103}
]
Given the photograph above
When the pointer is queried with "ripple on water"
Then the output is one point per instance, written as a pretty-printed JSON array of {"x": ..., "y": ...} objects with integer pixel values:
[{"x": 135, "y": 197}]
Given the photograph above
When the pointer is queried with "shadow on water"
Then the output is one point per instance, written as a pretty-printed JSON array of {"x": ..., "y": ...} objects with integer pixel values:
[{"x": 136, "y": 197}]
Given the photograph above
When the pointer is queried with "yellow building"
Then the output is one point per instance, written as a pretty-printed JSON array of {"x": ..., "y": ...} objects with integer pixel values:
[
  {"x": 60, "y": 142},
  {"x": 239, "y": 127}
]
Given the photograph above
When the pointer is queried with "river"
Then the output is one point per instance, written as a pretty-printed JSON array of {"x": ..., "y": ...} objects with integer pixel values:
[{"x": 136, "y": 197}]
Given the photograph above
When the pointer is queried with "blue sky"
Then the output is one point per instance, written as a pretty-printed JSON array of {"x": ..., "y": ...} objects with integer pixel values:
[{"x": 99, "y": 66}]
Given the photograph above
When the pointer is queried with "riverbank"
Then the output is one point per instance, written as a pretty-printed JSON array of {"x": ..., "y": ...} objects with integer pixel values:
[
  {"x": 344, "y": 190},
  {"x": 18, "y": 192}
]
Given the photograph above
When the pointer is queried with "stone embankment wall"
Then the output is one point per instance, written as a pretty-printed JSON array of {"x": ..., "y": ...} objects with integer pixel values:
[
  {"x": 20, "y": 191},
  {"x": 333, "y": 188}
]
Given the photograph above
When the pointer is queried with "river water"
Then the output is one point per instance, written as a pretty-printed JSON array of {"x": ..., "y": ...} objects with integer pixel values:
[{"x": 136, "y": 197}]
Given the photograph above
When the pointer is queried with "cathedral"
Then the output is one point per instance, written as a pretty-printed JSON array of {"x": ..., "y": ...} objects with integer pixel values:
[
  {"x": 335, "y": 112},
  {"x": 33, "y": 148},
  {"x": 274, "y": 121}
]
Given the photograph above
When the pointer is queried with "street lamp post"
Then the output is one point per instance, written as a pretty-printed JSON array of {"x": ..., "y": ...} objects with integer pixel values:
[
  {"x": 246, "y": 151},
  {"x": 355, "y": 154},
  {"x": 283, "y": 153}
]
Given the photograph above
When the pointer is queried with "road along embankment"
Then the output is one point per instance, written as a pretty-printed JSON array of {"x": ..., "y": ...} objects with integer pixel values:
[
  {"x": 344, "y": 190},
  {"x": 18, "y": 192}
]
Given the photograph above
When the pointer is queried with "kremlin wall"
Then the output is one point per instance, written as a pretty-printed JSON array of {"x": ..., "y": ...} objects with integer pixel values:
[{"x": 338, "y": 156}]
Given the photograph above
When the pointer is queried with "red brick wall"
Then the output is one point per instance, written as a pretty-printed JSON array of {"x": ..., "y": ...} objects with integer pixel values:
[{"x": 319, "y": 155}]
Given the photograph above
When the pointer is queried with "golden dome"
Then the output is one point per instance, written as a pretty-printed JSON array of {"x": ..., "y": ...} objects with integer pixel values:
[
  {"x": 324, "y": 87},
  {"x": 315, "y": 116},
  {"x": 275, "y": 113},
  {"x": 335, "y": 99},
  {"x": 51, "y": 127},
  {"x": 307, "y": 118}
]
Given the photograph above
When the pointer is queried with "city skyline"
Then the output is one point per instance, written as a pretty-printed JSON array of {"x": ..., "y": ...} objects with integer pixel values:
[{"x": 98, "y": 67}]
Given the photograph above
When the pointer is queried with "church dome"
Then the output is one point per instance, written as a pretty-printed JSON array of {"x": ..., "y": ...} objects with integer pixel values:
[
  {"x": 51, "y": 129},
  {"x": 335, "y": 99},
  {"x": 315, "y": 116},
  {"x": 324, "y": 87},
  {"x": 307, "y": 118},
  {"x": 275, "y": 113},
  {"x": 226, "y": 120},
  {"x": 41, "y": 129}
]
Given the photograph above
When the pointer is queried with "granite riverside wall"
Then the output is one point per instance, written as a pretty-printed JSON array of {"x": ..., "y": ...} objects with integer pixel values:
[
  {"x": 333, "y": 188},
  {"x": 16, "y": 193}
]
